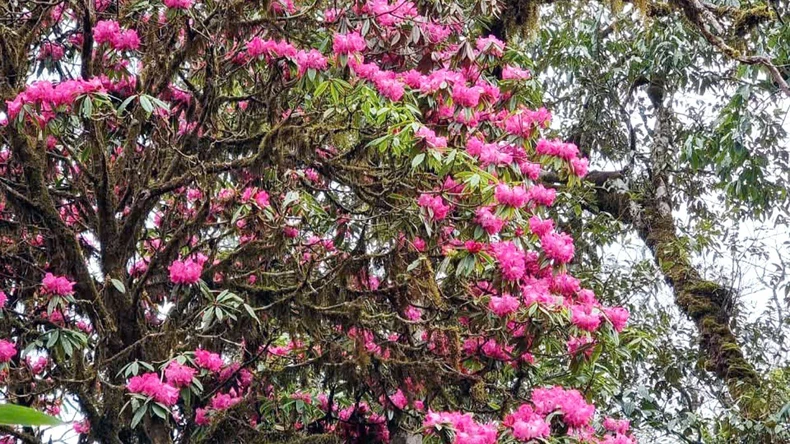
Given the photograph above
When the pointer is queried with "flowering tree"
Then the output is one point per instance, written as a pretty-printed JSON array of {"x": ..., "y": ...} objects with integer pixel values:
[{"x": 245, "y": 221}]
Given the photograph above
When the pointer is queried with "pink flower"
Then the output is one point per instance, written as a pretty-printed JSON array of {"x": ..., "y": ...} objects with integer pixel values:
[
  {"x": 504, "y": 305},
  {"x": 179, "y": 375},
  {"x": 511, "y": 260},
  {"x": 210, "y": 361},
  {"x": 348, "y": 43},
  {"x": 618, "y": 439},
  {"x": 576, "y": 344},
  {"x": 527, "y": 425},
  {"x": 3, "y": 299},
  {"x": 413, "y": 313},
  {"x": 331, "y": 15},
  {"x": 438, "y": 209},
  {"x": 430, "y": 137},
  {"x": 57, "y": 285},
  {"x": 490, "y": 45},
  {"x": 399, "y": 399},
  {"x": 185, "y": 272},
  {"x": 515, "y": 197},
  {"x": 515, "y": 73},
  {"x": 262, "y": 199},
  {"x": 224, "y": 401},
  {"x": 542, "y": 195},
  {"x": 558, "y": 247},
  {"x": 82, "y": 427},
  {"x": 489, "y": 221},
  {"x": 201, "y": 417},
  {"x": 178, "y": 4},
  {"x": 579, "y": 166},
  {"x": 557, "y": 148},
  {"x": 618, "y": 316},
  {"x": 540, "y": 227},
  {"x": 466, "y": 97},
  {"x": 7, "y": 350},
  {"x": 105, "y": 30},
  {"x": 312, "y": 59},
  {"x": 583, "y": 317},
  {"x": 150, "y": 385},
  {"x": 390, "y": 88},
  {"x": 467, "y": 431},
  {"x": 51, "y": 51},
  {"x": 109, "y": 31},
  {"x": 576, "y": 412}
]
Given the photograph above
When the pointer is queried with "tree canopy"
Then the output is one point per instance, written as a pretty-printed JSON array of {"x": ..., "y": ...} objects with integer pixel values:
[{"x": 392, "y": 221}]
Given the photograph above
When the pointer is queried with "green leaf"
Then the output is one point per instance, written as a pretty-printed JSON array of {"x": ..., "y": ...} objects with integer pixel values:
[
  {"x": 160, "y": 411},
  {"x": 418, "y": 159},
  {"x": 138, "y": 415},
  {"x": 11, "y": 414},
  {"x": 87, "y": 107},
  {"x": 125, "y": 103},
  {"x": 251, "y": 312},
  {"x": 118, "y": 285},
  {"x": 145, "y": 102}
]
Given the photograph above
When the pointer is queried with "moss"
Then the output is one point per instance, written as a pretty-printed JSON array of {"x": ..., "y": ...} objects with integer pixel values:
[
  {"x": 658, "y": 9},
  {"x": 747, "y": 19}
]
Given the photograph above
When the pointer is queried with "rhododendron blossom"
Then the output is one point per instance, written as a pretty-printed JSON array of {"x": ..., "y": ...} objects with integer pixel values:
[
  {"x": 185, "y": 272},
  {"x": 150, "y": 385},
  {"x": 7, "y": 350},
  {"x": 57, "y": 285}
]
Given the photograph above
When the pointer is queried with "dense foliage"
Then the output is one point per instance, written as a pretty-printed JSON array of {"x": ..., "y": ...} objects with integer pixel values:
[{"x": 234, "y": 220}]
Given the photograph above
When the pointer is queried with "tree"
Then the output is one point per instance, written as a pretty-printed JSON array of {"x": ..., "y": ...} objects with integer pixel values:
[
  {"x": 700, "y": 151},
  {"x": 251, "y": 221}
]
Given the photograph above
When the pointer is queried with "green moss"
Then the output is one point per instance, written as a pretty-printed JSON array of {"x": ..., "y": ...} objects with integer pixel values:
[{"x": 747, "y": 19}]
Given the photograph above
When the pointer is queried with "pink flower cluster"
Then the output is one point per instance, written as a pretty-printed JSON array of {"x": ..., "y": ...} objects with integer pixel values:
[
  {"x": 49, "y": 97},
  {"x": 185, "y": 272},
  {"x": 7, "y": 350},
  {"x": 467, "y": 430},
  {"x": 208, "y": 360},
  {"x": 438, "y": 209},
  {"x": 150, "y": 385},
  {"x": 57, "y": 285},
  {"x": 557, "y": 148},
  {"x": 109, "y": 31},
  {"x": 430, "y": 137},
  {"x": 527, "y": 425},
  {"x": 178, "y": 4},
  {"x": 387, "y": 14},
  {"x": 524, "y": 122},
  {"x": 576, "y": 412},
  {"x": 515, "y": 73},
  {"x": 304, "y": 60},
  {"x": 511, "y": 260},
  {"x": 503, "y": 305},
  {"x": 179, "y": 375},
  {"x": 489, "y": 221},
  {"x": 515, "y": 197},
  {"x": 52, "y": 51},
  {"x": 312, "y": 59},
  {"x": 488, "y": 153},
  {"x": 350, "y": 43},
  {"x": 386, "y": 82},
  {"x": 270, "y": 48},
  {"x": 490, "y": 45}
]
